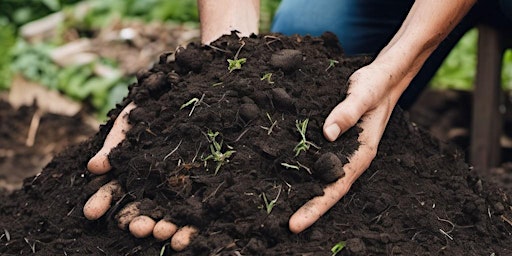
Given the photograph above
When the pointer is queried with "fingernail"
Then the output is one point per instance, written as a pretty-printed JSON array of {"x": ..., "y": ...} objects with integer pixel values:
[{"x": 332, "y": 132}]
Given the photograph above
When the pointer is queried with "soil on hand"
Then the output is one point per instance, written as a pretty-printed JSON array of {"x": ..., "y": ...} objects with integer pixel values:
[{"x": 236, "y": 152}]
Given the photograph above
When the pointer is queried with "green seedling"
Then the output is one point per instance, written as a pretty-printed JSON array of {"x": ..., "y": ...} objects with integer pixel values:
[
  {"x": 296, "y": 167},
  {"x": 270, "y": 205},
  {"x": 236, "y": 63},
  {"x": 338, "y": 247},
  {"x": 194, "y": 102},
  {"x": 215, "y": 151},
  {"x": 303, "y": 144},
  {"x": 332, "y": 63},
  {"x": 290, "y": 166},
  {"x": 268, "y": 77},
  {"x": 162, "y": 250},
  {"x": 217, "y": 84},
  {"x": 272, "y": 125}
]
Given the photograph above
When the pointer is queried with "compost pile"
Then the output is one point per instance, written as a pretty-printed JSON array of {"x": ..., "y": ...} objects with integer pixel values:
[{"x": 215, "y": 143}]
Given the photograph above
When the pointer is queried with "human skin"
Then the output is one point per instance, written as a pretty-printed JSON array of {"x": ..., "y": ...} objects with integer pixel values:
[{"x": 373, "y": 90}]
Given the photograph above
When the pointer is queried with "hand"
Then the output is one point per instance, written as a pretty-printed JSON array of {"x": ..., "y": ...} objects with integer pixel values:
[
  {"x": 372, "y": 95},
  {"x": 129, "y": 217}
]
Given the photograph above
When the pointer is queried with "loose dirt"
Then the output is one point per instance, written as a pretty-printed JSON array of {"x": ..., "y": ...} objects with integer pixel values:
[{"x": 418, "y": 197}]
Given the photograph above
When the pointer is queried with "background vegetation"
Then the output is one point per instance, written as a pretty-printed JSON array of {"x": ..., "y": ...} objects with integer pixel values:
[{"x": 33, "y": 62}]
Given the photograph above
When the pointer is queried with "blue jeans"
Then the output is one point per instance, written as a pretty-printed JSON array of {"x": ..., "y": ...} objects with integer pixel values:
[{"x": 366, "y": 26}]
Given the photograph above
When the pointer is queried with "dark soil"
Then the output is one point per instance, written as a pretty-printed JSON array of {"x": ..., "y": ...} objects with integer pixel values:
[{"x": 418, "y": 197}]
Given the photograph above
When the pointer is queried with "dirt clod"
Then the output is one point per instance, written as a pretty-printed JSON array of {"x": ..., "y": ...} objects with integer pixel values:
[
  {"x": 287, "y": 59},
  {"x": 328, "y": 167}
]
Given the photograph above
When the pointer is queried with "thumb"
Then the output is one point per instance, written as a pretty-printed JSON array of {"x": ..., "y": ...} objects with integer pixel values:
[{"x": 344, "y": 116}]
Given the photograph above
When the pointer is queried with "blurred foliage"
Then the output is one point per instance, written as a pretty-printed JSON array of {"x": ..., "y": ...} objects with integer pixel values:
[
  {"x": 19, "y": 12},
  {"x": 459, "y": 68},
  {"x": 78, "y": 82},
  {"x": 7, "y": 39},
  {"x": 102, "y": 12}
]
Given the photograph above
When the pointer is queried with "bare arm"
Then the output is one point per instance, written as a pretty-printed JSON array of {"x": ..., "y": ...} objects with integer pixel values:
[
  {"x": 374, "y": 91},
  {"x": 220, "y": 17}
]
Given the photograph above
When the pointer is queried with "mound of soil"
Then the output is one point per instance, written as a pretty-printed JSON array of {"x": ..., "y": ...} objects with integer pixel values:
[{"x": 213, "y": 147}]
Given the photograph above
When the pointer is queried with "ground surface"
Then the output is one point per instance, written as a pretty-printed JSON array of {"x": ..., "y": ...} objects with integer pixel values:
[{"x": 417, "y": 197}]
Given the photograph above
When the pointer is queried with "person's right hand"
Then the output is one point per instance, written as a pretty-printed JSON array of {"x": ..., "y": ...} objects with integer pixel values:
[
  {"x": 129, "y": 217},
  {"x": 371, "y": 97}
]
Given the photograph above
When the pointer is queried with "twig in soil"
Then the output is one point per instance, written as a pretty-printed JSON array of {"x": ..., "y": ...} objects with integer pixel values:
[
  {"x": 32, "y": 246},
  {"x": 272, "y": 125},
  {"x": 446, "y": 233},
  {"x": 213, "y": 193},
  {"x": 7, "y": 235},
  {"x": 241, "y": 135},
  {"x": 34, "y": 126},
  {"x": 506, "y": 220},
  {"x": 217, "y": 48},
  {"x": 172, "y": 151},
  {"x": 274, "y": 39}
]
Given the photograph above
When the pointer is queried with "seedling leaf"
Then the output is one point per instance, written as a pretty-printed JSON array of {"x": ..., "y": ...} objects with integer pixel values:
[
  {"x": 236, "y": 64},
  {"x": 338, "y": 247}
]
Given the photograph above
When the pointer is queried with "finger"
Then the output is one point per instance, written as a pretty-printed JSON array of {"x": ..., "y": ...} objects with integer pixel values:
[
  {"x": 142, "y": 226},
  {"x": 100, "y": 202},
  {"x": 310, "y": 212},
  {"x": 182, "y": 238},
  {"x": 344, "y": 116},
  {"x": 127, "y": 214},
  {"x": 99, "y": 164},
  {"x": 164, "y": 229}
]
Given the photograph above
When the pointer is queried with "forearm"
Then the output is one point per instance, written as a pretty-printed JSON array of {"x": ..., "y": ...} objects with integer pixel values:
[
  {"x": 426, "y": 26},
  {"x": 220, "y": 17}
]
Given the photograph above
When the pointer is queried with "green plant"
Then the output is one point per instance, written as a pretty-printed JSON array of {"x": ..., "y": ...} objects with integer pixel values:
[
  {"x": 194, "y": 102},
  {"x": 216, "y": 153},
  {"x": 269, "y": 205},
  {"x": 332, "y": 63},
  {"x": 303, "y": 144},
  {"x": 290, "y": 166},
  {"x": 268, "y": 77},
  {"x": 236, "y": 64},
  {"x": 338, "y": 247},
  {"x": 296, "y": 167}
]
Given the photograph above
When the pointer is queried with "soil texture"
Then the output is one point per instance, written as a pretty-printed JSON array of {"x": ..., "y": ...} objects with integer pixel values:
[{"x": 216, "y": 143}]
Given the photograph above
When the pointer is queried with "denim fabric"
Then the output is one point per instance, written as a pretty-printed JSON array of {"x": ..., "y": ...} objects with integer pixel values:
[{"x": 366, "y": 26}]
